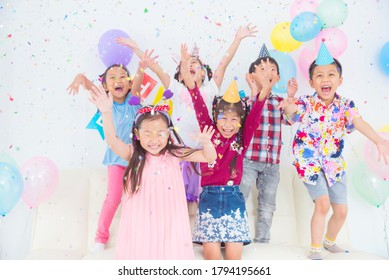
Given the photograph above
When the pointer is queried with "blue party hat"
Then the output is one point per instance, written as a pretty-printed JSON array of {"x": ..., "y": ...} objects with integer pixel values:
[
  {"x": 324, "y": 57},
  {"x": 263, "y": 52}
]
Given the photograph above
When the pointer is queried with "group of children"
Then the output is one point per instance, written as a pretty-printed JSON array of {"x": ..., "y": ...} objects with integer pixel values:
[{"x": 225, "y": 144}]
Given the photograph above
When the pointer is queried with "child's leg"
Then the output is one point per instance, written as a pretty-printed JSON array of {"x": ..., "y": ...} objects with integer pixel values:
[
  {"x": 212, "y": 251},
  {"x": 250, "y": 175},
  {"x": 111, "y": 202},
  {"x": 322, "y": 206},
  {"x": 338, "y": 197},
  {"x": 234, "y": 250}
]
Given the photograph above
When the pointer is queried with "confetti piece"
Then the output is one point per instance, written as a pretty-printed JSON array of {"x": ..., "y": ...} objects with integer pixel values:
[
  {"x": 146, "y": 11},
  {"x": 9, "y": 35}
]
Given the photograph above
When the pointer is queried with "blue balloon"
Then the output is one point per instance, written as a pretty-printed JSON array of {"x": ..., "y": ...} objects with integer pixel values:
[
  {"x": 287, "y": 70},
  {"x": 384, "y": 58},
  {"x": 11, "y": 187},
  {"x": 305, "y": 26}
]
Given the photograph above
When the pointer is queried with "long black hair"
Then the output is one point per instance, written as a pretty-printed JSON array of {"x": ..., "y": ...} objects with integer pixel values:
[{"x": 134, "y": 170}]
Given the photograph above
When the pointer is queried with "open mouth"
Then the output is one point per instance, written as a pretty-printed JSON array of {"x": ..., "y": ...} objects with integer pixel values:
[
  {"x": 192, "y": 72},
  {"x": 118, "y": 88},
  {"x": 326, "y": 89}
]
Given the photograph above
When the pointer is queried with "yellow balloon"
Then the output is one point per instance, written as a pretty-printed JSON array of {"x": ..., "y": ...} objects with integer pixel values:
[
  {"x": 385, "y": 128},
  {"x": 281, "y": 38}
]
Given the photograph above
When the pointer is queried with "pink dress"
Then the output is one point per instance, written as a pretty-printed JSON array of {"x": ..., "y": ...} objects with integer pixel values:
[{"x": 154, "y": 222}]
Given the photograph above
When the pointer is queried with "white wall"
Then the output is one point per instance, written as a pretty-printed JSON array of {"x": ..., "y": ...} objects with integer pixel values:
[{"x": 44, "y": 44}]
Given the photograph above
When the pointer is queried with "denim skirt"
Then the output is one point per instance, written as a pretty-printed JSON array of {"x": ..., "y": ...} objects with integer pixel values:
[{"x": 221, "y": 216}]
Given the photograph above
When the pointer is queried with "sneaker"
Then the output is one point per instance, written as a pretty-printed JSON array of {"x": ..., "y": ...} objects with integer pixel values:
[
  {"x": 315, "y": 256},
  {"x": 335, "y": 249},
  {"x": 98, "y": 247}
]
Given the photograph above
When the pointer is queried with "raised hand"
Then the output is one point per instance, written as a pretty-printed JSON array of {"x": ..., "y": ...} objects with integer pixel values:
[
  {"x": 127, "y": 42},
  {"x": 147, "y": 59},
  {"x": 74, "y": 87},
  {"x": 292, "y": 88},
  {"x": 99, "y": 97},
  {"x": 252, "y": 85},
  {"x": 246, "y": 31},
  {"x": 206, "y": 135}
]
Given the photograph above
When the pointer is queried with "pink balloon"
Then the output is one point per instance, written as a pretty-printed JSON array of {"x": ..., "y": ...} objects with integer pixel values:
[
  {"x": 371, "y": 157},
  {"x": 300, "y": 6},
  {"x": 41, "y": 177},
  {"x": 307, "y": 56},
  {"x": 335, "y": 40}
]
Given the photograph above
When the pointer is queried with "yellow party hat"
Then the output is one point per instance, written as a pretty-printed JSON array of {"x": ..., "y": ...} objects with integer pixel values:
[{"x": 232, "y": 95}]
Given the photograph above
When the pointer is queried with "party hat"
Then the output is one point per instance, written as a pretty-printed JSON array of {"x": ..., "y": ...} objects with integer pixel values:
[
  {"x": 263, "y": 52},
  {"x": 195, "y": 51},
  {"x": 232, "y": 95},
  {"x": 324, "y": 57}
]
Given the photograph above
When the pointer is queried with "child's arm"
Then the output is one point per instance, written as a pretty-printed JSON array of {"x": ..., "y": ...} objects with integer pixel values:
[
  {"x": 185, "y": 67},
  {"x": 104, "y": 103},
  {"x": 79, "y": 80},
  {"x": 156, "y": 68},
  {"x": 241, "y": 33},
  {"x": 146, "y": 62},
  {"x": 381, "y": 143},
  {"x": 208, "y": 153}
]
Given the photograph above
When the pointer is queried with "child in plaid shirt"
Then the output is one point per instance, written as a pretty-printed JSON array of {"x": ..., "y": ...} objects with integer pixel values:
[{"x": 262, "y": 158}]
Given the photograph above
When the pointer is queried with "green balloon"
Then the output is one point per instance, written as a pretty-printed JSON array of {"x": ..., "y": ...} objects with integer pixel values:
[
  {"x": 370, "y": 187},
  {"x": 8, "y": 159},
  {"x": 332, "y": 13}
]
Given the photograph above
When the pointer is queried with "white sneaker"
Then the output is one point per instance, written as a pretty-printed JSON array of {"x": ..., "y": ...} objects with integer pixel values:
[{"x": 98, "y": 247}]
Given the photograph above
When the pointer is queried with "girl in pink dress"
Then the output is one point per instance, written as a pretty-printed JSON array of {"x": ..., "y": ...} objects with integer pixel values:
[{"x": 154, "y": 221}]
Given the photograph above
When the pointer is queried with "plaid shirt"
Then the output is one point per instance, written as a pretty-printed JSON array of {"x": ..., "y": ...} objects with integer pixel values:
[{"x": 266, "y": 143}]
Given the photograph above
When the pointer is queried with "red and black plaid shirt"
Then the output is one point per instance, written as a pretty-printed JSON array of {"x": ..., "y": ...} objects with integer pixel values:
[{"x": 266, "y": 143}]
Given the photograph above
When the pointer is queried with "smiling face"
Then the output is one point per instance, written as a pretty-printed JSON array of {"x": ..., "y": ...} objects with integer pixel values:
[
  {"x": 153, "y": 134},
  {"x": 117, "y": 82},
  {"x": 325, "y": 80},
  {"x": 228, "y": 117}
]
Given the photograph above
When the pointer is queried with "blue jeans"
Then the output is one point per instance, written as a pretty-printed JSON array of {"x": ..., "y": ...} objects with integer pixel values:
[{"x": 267, "y": 177}]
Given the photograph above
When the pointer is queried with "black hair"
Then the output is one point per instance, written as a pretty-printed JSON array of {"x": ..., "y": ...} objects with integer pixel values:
[
  {"x": 264, "y": 59},
  {"x": 313, "y": 66},
  {"x": 136, "y": 163},
  {"x": 104, "y": 75},
  {"x": 206, "y": 67},
  {"x": 241, "y": 108}
]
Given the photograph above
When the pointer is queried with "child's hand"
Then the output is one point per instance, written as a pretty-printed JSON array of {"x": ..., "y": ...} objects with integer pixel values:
[
  {"x": 246, "y": 31},
  {"x": 127, "y": 42},
  {"x": 100, "y": 98},
  {"x": 147, "y": 60},
  {"x": 252, "y": 85},
  {"x": 383, "y": 150},
  {"x": 185, "y": 56},
  {"x": 292, "y": 88},
  {"x": 74, "y": 87},
  {"x": 262, "y": 76},
  {"x": 205, "y": 136}
]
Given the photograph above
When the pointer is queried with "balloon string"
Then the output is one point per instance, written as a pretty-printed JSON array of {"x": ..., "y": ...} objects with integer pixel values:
[
  {"x": 386, "y": 216},
  {"x": 29, "y": 218},
  {"x": 1, "y": 239}
]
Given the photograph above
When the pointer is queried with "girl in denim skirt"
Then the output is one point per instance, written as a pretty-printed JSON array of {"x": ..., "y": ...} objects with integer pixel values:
[{"x": 222, "y": 218}]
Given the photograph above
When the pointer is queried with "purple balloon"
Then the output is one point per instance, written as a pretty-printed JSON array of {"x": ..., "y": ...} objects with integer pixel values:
[
  {"x": 167, "y": 94},
  {"x": 111, "y": 52}
]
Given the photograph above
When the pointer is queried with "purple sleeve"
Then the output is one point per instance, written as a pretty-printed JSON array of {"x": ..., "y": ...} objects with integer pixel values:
[{"x": 200, "y": 108}]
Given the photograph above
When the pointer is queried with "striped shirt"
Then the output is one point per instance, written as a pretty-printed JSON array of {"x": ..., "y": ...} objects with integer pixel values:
[{"x": 266, "y": 143}]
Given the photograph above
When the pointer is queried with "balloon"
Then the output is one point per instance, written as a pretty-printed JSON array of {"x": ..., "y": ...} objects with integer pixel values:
[
  {"x": 111, "y": 52},
  {"x": 370, "y": 187},
  {"x": 281, "y": 38},
  {"x": 384, "y": 58},
  {"x": 307, "y": 56},
  {"x": 8, "y": 159},
  {"x": 287, "y": 70},
  {"x": 371, "y": 158},
  {"x": 335, "y": 40},
  {"x": 385, "y": 128},
  {"x": 305, "y": 26},
  {"x": 11, "y": 187},
  {"x": 332, "y": 13},
  {"x": 300, "y": 6},
  {"x": 41, "y": 177}
]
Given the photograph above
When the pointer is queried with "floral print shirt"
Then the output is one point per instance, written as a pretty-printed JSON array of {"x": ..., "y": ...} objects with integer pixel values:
[{"x": 319, "y": 140}]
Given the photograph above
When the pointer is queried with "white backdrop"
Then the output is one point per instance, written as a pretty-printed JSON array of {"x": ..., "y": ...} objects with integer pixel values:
[{"x": 44, "y": 44}]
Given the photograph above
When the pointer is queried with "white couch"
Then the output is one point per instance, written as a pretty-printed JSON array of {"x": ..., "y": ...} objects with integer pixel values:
[{"x": 64, "y": 227}]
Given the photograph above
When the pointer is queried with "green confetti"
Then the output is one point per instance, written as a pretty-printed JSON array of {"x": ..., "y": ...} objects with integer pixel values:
[{"x": 146, "y": 11}]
